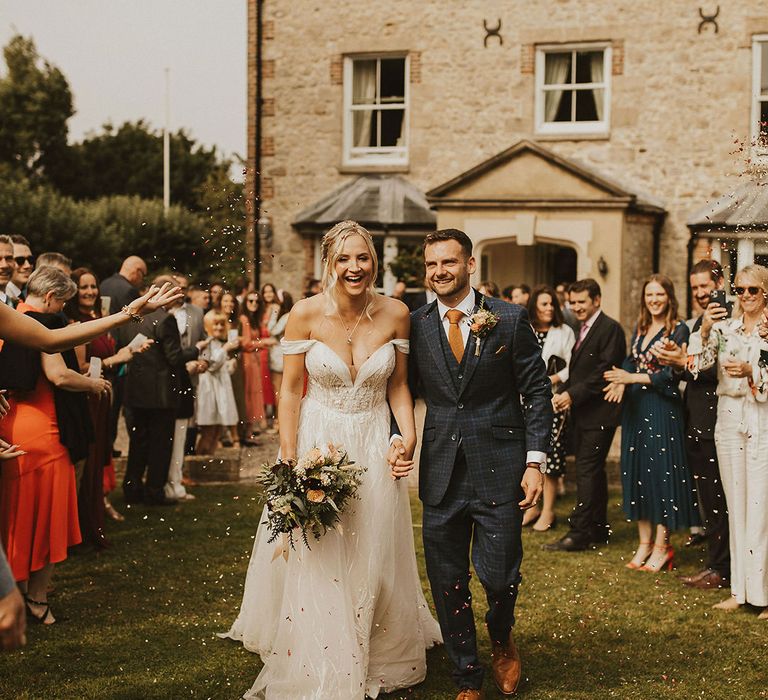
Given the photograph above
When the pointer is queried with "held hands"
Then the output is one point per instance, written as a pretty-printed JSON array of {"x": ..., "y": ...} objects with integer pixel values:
[
  {"x": 670, "y": 354},
  {"x": 533, "y": 486},
  {"x": 737, "y": 369},
  {"x": 154, "y": 299},
  {"x": 9, "y": 451},
  {"x": 562, "y": 402},
  {"x": 101, "y": 386},
  {"x": 614, "y": 393},
  {"x": 400, "y": 459},
  {"x": 197, "y": 366}
]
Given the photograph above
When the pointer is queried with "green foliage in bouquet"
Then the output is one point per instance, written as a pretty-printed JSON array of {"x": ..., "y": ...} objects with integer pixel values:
[{"x": 309, "y": 495}]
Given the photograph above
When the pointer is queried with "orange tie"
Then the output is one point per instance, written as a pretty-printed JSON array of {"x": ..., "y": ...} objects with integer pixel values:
[{"x": 454, "y": 333}]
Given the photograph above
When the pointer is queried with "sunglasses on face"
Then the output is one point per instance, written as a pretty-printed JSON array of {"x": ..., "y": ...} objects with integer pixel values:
[
  {"x": 252, "y": 301},
  {"x": 9, "y": 259},
  {"x": 21, "y": 259},
  {"x": 753, "y": 291}
]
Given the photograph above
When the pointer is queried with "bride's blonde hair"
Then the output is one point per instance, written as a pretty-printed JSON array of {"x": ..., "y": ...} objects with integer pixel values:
[{"x": 332, "y": 247}]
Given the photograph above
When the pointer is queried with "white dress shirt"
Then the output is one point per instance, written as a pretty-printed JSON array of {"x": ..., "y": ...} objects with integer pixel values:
[{"x": 180, "y": 313}]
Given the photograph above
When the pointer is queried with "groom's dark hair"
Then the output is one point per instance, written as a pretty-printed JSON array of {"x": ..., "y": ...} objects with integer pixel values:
[{"x": 450, "y": 234}]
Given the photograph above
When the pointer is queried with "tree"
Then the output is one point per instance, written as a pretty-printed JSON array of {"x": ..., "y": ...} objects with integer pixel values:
[
  {"x": 129, "y": 161},
  {"x": 35, "y": 104}
]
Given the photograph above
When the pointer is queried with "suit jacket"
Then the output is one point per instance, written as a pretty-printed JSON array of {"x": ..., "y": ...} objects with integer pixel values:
[
  {"x": 604, "y": 346},
  {"x": 497, "y": 405},
  {"x": 700, "y": 399},
  {"x": 154, "y": 377},
  {"x": 120, "y": 292}
]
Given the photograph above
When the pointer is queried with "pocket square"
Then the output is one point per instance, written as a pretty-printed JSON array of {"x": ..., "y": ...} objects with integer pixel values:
[{"x": 502, "y": 349}]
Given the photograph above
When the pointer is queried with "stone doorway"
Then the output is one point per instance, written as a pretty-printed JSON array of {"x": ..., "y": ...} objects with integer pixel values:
[{"x": 507, "y": 262}]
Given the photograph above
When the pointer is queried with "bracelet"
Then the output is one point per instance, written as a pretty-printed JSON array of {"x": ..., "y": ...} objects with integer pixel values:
[{"x": 136, "y": 318}]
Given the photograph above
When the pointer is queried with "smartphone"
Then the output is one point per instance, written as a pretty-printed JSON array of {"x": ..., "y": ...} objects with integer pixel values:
[
  {"x": 94, "y": 368},
  {"x": 718, "y": 297},
  {"x": 138, "y": 340},
  {"x": 106, "y": 304},
  {"x": 232, "y": 335}
]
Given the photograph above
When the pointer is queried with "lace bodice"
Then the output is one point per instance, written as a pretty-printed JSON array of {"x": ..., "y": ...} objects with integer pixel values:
[{"x": 330, "y": 381}]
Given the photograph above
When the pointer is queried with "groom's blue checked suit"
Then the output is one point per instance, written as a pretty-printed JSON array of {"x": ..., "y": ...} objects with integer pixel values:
[{"x": 483, "y": 414}]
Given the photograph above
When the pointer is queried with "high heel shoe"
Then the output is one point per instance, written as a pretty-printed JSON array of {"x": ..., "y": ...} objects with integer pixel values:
[
  {"x": 39, "y": 619},
  {"x": 668, "y": 561},
  {"x": 551, "y": 526},
  {"x": 632, "y": 565}
]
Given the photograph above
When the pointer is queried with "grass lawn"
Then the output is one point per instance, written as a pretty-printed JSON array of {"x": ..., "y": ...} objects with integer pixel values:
[{"x": 143, "y": 617}]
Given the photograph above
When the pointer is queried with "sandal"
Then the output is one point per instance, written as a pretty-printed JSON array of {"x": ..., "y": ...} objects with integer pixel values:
[{"x": 39, "y": 619}]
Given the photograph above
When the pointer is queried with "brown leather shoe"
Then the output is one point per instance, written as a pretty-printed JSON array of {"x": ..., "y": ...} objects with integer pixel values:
[
  {"x": 506, "y": 666},
  {"x": 711, "y": 579},
  {"x": 469, "y": 694}
]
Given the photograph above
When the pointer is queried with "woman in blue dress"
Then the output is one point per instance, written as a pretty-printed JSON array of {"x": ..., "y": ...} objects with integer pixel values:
[{"x": 658, "y": 489}]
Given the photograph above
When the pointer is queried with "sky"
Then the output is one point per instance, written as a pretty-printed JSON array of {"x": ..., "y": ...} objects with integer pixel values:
[{"x": 114, "y": 54}]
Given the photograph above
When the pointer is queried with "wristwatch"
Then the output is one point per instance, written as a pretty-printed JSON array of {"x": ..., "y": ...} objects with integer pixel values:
[{"x": 541, "y": 467}]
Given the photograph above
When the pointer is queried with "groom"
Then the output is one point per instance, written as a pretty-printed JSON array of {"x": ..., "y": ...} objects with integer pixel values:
[{"x": 486, "y": 434}]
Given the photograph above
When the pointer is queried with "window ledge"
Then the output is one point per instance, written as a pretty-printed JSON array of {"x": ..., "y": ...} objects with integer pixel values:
[
  {"x": 374, "y": 168},
  {"x": 574, "y": 136}
]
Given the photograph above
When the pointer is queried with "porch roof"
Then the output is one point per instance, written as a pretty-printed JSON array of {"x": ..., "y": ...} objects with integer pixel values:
[
  {"x": 376, "y": 201},
  {"x": 744, "y": 208}
]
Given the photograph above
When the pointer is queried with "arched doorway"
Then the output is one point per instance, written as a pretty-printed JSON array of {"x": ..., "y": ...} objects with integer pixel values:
[{"x": 506, "y": 262}]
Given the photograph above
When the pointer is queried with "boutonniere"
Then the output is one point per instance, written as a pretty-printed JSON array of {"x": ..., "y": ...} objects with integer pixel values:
[{"x": 482, "y": 323}]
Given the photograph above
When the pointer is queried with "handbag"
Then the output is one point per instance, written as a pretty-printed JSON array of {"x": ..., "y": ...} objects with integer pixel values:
[{"x": 555, "y": 364}]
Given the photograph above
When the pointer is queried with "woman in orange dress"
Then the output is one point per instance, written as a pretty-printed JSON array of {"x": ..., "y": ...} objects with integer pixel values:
[
  {"x": 251, "y": 345},
  {"x": 38, "y": 501}
]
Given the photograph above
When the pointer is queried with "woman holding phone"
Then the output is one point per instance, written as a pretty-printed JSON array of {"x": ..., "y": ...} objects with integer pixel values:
[
  {"x": 658, "y": 491},
  {"x": 735, "y": 347}
]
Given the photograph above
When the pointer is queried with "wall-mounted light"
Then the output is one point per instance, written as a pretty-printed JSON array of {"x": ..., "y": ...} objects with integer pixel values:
[
  {"x": 264, "y": 230},
  {"x": 602, "y": 266}
]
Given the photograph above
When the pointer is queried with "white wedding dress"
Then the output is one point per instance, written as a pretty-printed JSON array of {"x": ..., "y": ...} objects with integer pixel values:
[{"x": 347, "y": 618}]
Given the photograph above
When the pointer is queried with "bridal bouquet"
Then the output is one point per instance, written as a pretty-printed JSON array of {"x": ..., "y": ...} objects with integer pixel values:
[{"x": 308, "y": 495}]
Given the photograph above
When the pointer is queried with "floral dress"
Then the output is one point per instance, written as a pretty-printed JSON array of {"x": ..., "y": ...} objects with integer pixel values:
[{"x": 556, "y": 457}]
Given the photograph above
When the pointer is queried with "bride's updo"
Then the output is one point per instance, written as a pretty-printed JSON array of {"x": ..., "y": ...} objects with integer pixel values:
[{"x": 332, "y": 246}]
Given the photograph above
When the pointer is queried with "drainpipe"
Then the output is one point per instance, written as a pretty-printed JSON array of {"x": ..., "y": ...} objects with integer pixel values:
[
  {"x": 657, "y": 226},
  {"x": 257, "y": 154},
  {"x": 689, "y": 264}
]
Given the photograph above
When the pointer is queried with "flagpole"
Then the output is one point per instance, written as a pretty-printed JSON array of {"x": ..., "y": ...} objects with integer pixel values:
[{"x": 167, "y": 144}]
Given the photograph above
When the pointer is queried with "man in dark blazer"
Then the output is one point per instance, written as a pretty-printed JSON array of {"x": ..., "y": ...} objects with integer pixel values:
[
  {"x": 600, "y": 345},
  {"x": 486, "y": 434},
  {"x": 153, "y": 386}
]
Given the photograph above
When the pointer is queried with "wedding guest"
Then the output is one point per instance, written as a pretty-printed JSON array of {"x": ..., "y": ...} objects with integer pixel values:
[
  {"x": 7, "y": 268},
  {"x": 252, "y": 345},
  {"x": 735, "y": 347},
  {"x": 98, "y": 475},
  {"x": 506, "y": 293},
  {"x": 270, "y": 308},
  {"x": 600, "y": 345},
  {"x": 489, "y": 289},
  {"x": 152, "y": 393},
  {"x": 38, "y": 502},
  {"x": 658, "y": 490},
  {"x": 234, "y": 435},
  {"x": 216, "y": 406},
  {"x": 562, "y": 291},
  {"x": 312, "y": 288},
  {"x": 399, "y": 291},
  {"x": 57, "y": 260},
  {"x": 556, "y": 341},
  {"x": 216, "y": 291},
  {"x": 700, "y": 399},
  {"x": 521, "y": 293},
  {"x": 276, "y": 333},
  {"x": 199, "y": 297},
  {"x": 25, "y": 266}
]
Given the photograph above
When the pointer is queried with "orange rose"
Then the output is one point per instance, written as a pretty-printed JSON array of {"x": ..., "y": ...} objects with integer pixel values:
[{"x": 316, "y": 495}]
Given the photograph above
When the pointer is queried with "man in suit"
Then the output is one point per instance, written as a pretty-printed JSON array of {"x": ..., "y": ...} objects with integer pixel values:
[
  {"x": 153, "y": 388},
  {"x": 7, "y": 268},
  {"x": 701, "y": 415},
  {"x": 600, "y": 345},
  {"x": 486, "y": 434}
]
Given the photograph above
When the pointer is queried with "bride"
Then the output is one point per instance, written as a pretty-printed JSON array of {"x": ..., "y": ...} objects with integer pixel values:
[{"x": 347, "y": 618}]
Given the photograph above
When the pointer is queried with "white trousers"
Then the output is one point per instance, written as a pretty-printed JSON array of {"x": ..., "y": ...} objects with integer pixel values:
[
  {"x": 173, "y": 487},
  {"x": 741, "y": 438}
]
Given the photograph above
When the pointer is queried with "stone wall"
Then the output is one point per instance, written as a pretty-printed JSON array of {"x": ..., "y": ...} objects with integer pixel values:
[{"x": 680, "y": 99}]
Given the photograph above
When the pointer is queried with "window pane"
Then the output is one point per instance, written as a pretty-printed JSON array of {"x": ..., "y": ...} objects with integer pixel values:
[
  {"x": 589, "y": 67},
  {"x": 586, "y": 109},
  {"x": 392, "y": 80},
  {"x": 364, "y": 82},
  {"x": 763, "y": 131},
  {"x": 557, "y": 68},
  {"x": 391, "y": 127},
  {"x": 364, "y": 128},
  {"x": 563, "y": 113},
  {"x": 764, "y": 68}
]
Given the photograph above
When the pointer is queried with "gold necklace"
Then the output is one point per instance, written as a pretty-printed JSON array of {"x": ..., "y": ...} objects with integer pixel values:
[{"x": 352, "y": 332}]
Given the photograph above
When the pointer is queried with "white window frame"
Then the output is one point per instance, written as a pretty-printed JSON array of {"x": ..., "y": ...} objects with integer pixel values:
[
  {"x": 758, "y": 151},
  {"x": 375, "y": 156},
  {"x": 601, "y": 127}
]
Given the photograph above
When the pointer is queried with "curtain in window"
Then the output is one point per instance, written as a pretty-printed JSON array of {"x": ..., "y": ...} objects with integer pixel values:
[
  {"x": 598, "y": 76},
  {"x": 556, "y": 67},
  {"x": 363, "y": 92}
]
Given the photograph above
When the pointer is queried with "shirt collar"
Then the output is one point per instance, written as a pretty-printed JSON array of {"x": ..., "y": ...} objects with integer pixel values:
[
  {"x": 591, "y": 320},
  {"x": 466, "y": 305}
]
